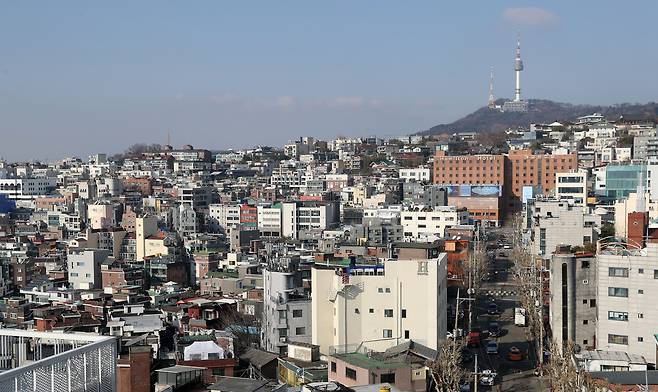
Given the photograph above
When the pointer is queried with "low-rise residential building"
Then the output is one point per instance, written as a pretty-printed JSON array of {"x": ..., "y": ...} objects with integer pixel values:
[
  {"x": 428, "y": 224},
  {"x": 384, "y": 304},
  {"x": 627, "y": 315},
  {"x": 557, "y": 222}
]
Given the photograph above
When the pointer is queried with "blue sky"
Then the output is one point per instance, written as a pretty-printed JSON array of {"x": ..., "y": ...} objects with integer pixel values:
[{"x": 79, "y": 77}]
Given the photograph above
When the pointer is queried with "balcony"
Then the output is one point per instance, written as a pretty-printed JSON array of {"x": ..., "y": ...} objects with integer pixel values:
[{"x": 33, "y": 361}]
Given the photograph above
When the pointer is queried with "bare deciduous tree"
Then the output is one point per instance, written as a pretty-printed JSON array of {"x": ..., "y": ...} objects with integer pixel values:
[
  {"x": 528, "y": 284},
  {"x": 446, "y": 370},
  {"x": 563, "y": 373}
]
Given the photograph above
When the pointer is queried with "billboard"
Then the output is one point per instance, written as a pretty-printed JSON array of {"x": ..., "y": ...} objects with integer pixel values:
[{"x": 469, "y": 190}]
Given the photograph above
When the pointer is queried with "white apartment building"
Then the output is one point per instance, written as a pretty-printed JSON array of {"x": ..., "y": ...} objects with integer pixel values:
[
  {"x": 380, "y": 306},
  {"x": 428, "y": 224},
  {"x": 556, "y": 222},
  {"x": 627, "y": 292},
  {"x": 297, "y": 216},
  {"x": 84, "y": 268},
  {"x": 223, "y": 217},
  {"x": 571, "y": 187},
  {"x": 285, "y": 176},
  {"x": 26, "y": 188},
  {"x": 652, "y": 179},
  {"x": 286, "y": 310},
  {"x": 418, "y": 174},
  {"x": 387, "y": 213},
  {"x": 101, "y": 215},
  {"x": 269, "y": 220},
  {"x": 599, "y": 179}
]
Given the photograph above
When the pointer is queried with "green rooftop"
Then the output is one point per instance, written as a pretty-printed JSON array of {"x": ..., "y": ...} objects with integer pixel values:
[
  {"x": 223, "y": 274},
  {"x": 373, "y": 362}
]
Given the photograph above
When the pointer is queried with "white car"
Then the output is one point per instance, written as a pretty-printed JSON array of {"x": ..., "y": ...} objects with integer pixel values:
[{"x": 488, "y": 377}]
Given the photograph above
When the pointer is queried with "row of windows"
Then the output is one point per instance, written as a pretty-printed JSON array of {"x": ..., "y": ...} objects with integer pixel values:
[
  {"x": 622, "y": 272},
  {"x": 283, "y": 332}
]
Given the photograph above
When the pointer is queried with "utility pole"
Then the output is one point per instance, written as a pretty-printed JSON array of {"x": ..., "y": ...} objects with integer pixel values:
[
  {"x": 541, "y": 320},
  {"x": 454, "y": 331},
  {"x": 475, "y": 373},
  {"x": 470, "y": 295}
]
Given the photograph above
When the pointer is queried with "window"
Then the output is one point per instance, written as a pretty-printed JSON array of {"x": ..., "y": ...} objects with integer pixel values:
[
  {"x": 584, "y": 302},
  {"x": 640, "y": 315},
  {"x": 388, "y": 289},
  {"x": 640, "y": 270},
  {"x": 655, "y": 274},
  {"x": 300, "y": 331},
  {"x": 585, "y": 322},
  {"x": 350, "y": 373},
  {"x": 404, "y": 313},
  {"x": 618, "y": 272},
  {"x": 592, "y": 303},
  {"x": 640, "y": 339},
  {"x": 389, "y": 378},
  {"x": 371, "y": 310},
  {"x": 585, "y": 342},
  {"x": 333, "y": 367},
  {"x": 296, "y": 313},
  {"x": 283, "y": 332},
  {"x": 617, "y": 292},
  {"x": 406, "y": 334},
  {"x": 388, "y": 333},
  {"x": 640, "y": 291},
  {"x": 584, "y": 264},
  {"x": 218, "y": 371},
  {"x": 618, "y": 316},
  {"x": 618, "y": 339},
  {"x": 388, "y": 312}
]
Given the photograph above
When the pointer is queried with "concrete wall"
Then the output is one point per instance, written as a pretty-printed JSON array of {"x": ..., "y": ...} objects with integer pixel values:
[{"x": 355, "y": 313}]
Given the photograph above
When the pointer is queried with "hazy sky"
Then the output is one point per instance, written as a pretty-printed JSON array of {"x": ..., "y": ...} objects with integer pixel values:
[{"x": 78, "y": 77}]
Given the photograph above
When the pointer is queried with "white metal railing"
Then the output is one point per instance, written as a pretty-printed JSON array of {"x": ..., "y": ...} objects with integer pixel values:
[{"x": 80, "y": 362}]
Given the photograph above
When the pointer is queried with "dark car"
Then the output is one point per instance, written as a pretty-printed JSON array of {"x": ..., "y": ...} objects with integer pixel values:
[
  {"x": 492, "y": 309},
  {"x": 494, "y": 329},
  {"x": 467, "y": 356}
]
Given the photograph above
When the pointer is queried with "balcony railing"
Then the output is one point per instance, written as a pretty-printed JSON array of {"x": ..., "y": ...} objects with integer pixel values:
[{"x": 56, "y": 362}]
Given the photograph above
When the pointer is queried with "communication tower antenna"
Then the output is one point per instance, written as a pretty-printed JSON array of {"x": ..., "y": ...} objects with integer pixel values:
[{"x": 492, "y": 102}]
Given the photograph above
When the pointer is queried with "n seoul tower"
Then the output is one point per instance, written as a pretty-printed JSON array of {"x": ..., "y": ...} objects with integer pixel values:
[
  {"x": 518, "y": 67},
  {"x": 517, "y": 104}
]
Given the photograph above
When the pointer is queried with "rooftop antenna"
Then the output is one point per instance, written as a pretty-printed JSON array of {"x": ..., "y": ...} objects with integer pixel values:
[
  {"x": 168, "y": 138},
  {"x": 492, "y": 101}
]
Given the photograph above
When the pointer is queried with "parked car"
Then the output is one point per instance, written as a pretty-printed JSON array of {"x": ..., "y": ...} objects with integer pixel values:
[
  {"x": 492, "y": 347},
  {"x": 488, "y": 377},
  {"x": 473, "y": 339},
  {"x": 494, "y": 329},
  {"x": 492, "y": 308},
  {"x": 514, "y": 354},
  {"x": 464, "y": 386}
]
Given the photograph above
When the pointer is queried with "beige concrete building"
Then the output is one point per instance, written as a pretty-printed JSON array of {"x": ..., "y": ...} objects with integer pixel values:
[
  {"x": 380, "y": 306},
  {"x": 145, "y": 227}
]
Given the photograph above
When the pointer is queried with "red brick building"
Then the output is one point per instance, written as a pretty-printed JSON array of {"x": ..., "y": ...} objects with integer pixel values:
[
  {"x": 514, "y": 171},
  {"x": 134, "y": 370}
]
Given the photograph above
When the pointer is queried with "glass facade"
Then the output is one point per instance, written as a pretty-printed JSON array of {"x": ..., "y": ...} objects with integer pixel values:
[{"x": 624, "y": 179}]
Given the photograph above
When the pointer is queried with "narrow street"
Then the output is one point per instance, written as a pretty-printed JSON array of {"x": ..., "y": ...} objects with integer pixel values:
[{"x": 499, "y": 289}]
